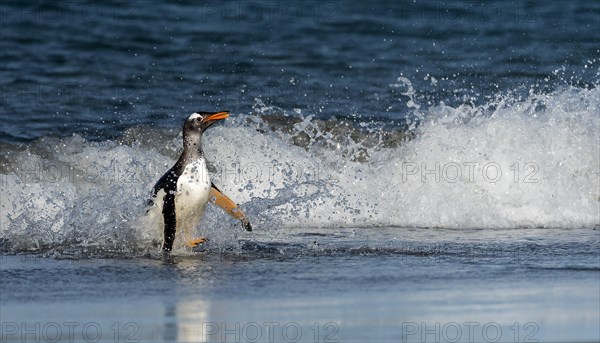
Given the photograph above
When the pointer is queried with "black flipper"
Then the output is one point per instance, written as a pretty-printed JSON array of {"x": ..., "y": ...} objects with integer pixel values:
[
  {"x": 221, "y": 200},
  {"x": 168, "y": 183},
  {"x": 170, "y": 220},
  {"x": 212, "y": 185},
  {"x": 247, "y": 225},
  {"x": 160, "y": 184}
]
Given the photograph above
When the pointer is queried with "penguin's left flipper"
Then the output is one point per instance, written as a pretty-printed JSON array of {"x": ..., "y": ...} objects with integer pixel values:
[
  {"x": 194, "y": 242},
  {"x": 221, "y": 200}
]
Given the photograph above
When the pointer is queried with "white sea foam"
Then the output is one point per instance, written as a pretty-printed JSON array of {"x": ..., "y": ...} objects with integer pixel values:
[{"x": 507, "y": 164}]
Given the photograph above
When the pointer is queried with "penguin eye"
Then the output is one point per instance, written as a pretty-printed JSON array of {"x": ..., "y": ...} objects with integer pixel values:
[{"x": 199, "y": 119}]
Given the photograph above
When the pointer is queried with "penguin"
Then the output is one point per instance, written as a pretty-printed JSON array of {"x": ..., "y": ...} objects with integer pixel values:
[{"x": 182, "y": 193}]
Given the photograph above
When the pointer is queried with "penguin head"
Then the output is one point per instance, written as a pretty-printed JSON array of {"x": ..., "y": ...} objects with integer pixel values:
[{"x": 197, "y": 122}]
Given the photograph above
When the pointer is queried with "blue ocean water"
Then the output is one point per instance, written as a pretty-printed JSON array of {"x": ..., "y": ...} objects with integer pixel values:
[
  {"x": 97, "y": 69},
  {"x": 406, "y": 165},
  {"x": 470, "y": 114}
]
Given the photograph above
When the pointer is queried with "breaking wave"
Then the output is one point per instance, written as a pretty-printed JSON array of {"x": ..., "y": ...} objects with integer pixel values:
[{"x": 509, "y": 163}]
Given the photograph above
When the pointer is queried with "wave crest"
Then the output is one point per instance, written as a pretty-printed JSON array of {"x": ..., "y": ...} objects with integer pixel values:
[{"x": 509, "y": 163}]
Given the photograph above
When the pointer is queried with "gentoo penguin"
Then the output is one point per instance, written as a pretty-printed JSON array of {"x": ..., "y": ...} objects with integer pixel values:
[{"x": 182, "y": 193}]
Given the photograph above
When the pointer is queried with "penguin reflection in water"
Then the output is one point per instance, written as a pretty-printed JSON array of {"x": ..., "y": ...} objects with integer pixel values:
[{"x": 183, "y": 192}]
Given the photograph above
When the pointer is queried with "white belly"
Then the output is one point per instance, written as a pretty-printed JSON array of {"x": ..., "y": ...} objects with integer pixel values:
[
  {"x": 193, "y": 191},
  {"x": 192, "y": 195}
]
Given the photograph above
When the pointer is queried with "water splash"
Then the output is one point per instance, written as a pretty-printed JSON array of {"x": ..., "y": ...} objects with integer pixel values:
[{"x": 510, "y": 163}]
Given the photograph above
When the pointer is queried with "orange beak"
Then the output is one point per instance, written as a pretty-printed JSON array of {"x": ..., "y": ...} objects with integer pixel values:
[{"x": 218, "y": 116}]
